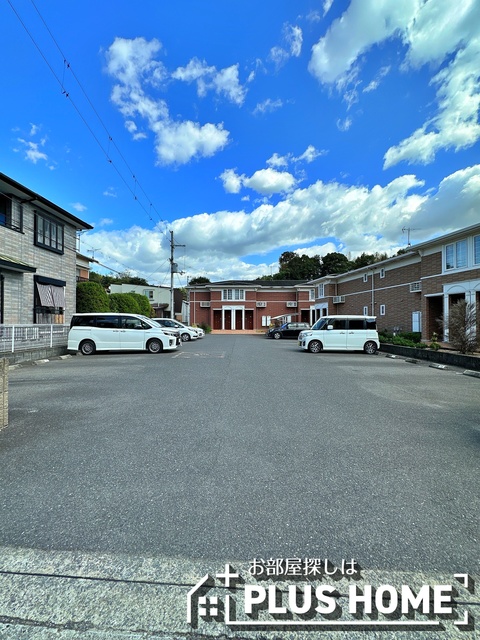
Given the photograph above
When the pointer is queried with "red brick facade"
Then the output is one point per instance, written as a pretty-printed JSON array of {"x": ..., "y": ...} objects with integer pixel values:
[{"x": 409, "y": 292}]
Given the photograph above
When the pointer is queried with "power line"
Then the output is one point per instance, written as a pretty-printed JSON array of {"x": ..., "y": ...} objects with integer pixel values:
[{"x": 67, "y": 66}]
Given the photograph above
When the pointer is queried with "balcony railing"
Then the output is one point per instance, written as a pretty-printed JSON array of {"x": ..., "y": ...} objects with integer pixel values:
[{"x": 23, "y": 337}]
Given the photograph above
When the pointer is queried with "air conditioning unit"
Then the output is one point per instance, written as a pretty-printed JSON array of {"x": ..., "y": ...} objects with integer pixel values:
[
  {"x": 338, "y": 299},
  {"x": 261, "y": 304},
  {"x": 415, "y": 286},
  {"x": 291, "y": 305},
  {"x": 205, "y": 304}
]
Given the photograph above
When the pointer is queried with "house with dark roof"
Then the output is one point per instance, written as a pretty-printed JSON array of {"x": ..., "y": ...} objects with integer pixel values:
[{"x": 38, "y": 266}]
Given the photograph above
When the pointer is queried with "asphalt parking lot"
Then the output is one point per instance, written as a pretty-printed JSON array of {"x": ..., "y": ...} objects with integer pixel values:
[{"x": 238, "y": 447}]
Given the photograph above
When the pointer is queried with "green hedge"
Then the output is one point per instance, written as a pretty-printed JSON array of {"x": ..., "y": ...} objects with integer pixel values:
[{"x": 91, "y": 297}]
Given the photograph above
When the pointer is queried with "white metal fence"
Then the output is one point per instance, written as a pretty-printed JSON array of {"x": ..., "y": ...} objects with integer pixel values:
[{"x": 22, "y": 337}]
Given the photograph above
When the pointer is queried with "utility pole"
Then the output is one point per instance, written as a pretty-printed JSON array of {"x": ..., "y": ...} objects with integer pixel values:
[{"x": 173, "y": 269}]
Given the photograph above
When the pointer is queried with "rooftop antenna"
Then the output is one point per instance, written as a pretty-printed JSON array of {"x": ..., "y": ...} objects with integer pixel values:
[{"x": 408, "y": 229}]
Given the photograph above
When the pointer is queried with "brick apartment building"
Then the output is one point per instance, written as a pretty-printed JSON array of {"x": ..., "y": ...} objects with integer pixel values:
[
  {"x": 408, "y": 292},
  {"x": 249, "y": 305}
]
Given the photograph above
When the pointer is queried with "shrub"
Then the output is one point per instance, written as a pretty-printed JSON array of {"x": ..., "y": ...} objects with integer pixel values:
[
  {"x": 143, "y": 304},
  {"x": 461, "y": 327},
  {"x": 123, "y": 303},
  {"x": 206, "y": 327},
  {"x": 91, "y": 298},
  {"x": 413, "y": 336}
]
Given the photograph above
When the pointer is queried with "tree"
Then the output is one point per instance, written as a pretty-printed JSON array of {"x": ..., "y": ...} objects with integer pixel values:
[
  {"x": 461, "y": 325},
  {"x": 295, "y": 267},
  {"x": 199, "y": 280},
  {"x": 365, "y": 259},
  {"x": 335, "y": 263},
  {"x": 91, "y": 297}
]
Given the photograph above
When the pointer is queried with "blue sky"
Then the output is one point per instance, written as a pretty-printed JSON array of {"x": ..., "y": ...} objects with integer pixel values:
[{"x": 249, "y": 129}]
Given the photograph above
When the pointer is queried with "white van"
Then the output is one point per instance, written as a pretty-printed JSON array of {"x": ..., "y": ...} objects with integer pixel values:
[
  {"x": 341, "y": 333},
  {"x": 90, "y": 332}
]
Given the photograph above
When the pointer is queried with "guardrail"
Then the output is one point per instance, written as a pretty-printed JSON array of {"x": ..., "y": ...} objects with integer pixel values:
[{"x": 22, "y": 337}]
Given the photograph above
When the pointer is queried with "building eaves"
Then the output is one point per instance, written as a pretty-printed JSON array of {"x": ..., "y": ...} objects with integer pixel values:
[{"x": 23, "y": 193}]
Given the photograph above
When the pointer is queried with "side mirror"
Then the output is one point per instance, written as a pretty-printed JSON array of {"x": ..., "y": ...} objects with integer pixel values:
[{"x": 330, "y": 327}]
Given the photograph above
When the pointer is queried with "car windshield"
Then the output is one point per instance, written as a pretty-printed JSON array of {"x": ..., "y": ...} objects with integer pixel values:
[{"x": 319, "y": 324}]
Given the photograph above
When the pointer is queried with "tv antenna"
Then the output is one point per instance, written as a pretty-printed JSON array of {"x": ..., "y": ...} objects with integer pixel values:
[{"x": 408, "y": 229}]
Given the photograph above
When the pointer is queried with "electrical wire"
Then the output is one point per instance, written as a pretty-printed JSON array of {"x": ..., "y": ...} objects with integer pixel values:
[{"x": 68, "y": 67}]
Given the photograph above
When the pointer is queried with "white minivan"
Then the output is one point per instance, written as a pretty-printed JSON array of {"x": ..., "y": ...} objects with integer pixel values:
[
  {"x": 341, "y": 333},
  {"x": 90, "y": 332}
]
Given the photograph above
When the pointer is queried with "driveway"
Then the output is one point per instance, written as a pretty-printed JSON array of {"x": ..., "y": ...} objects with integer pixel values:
[{"x": 238, "y": 447}]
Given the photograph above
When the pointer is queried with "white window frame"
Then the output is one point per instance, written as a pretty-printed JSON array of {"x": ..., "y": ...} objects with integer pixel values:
[
  {"x": 321, "y": 290},
  {"x": 233, "y": 294},
  {"x": 476, "y": 249},
  {"x": 311, "y": 295},
  {"x": 456, "y": 249},
  {"x": 382, "y": 309},
  {"x": 365, "y": 277},
  {"x": 382, "y": 272}
]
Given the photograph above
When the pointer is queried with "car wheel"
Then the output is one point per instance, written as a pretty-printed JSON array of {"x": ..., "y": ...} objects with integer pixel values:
[
  {"x": 314, "y": 346},
  {"x": 154, "y": 346},
  {"x": 87, "y": 348},
  {"x": 185, "y": 337},
  {"x": 277, "y": 335},
  {"x": 370, "y": 348}
]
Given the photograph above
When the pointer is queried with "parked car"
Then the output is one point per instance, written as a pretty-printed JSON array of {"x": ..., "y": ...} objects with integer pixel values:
[
  {"x": 341, "y": 333},
  {"x": 90, "y": 332},
  {"x": 287, "y": 330},
  {"x": 186, "y": 333}
]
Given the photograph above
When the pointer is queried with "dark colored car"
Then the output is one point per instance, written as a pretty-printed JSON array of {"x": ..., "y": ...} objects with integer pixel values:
[{"x": 287, "y": 330}]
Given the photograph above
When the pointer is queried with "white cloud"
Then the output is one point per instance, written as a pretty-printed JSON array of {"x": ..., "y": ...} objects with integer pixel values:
[
  {"x": 110, "y": 192},
  {"x": 232, "y": 182},
  {"x": 309, "y": 155},
  {"x": 375, "y": 83},
  {"x": 344, "y": 125},
  {"x": 432, "y": 34},
  {"x": 268, "y": 181},
  {"x": 224, "y": 82},
  {"x": 132, "y": 63},
  {"x": 278, "y": 161},
  {"x": 267, "y": 106},
  {"x": 363, "y": 24},
  {"x": 293, "y": 37},
  {"x": 265, "y": 181},
  {"x": 78, "y": 206},
  {"x": 359, "y": 218},
  {"x": 104, "y": 222},
  {"x": 132, "y": 128},
  {"x": 180, "y": 142},
  {"x": 32, "y": 150}
]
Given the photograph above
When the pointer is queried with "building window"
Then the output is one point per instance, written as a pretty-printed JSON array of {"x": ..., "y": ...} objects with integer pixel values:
[
  {"x": 365, "y": 311},
  {"x": 382, "y": 309},
  {"x": 311, "y": 294},
  {"x": 476, "y": 250},
  {"x": 5, "y": 211},
  {"x": 382, "y": 273},
  {"x": 148, "y": 293},
  {"x": 456, "y": 255},
  {"x": 365, "y": 277},
  {"x": 321, "y": 290},
  {"x": 233, "y": 294},
  {"x": 48, "y": 233}
]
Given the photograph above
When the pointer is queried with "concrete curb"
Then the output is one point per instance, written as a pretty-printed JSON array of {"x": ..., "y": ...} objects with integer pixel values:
[{"x": 78, "y": 596}]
